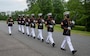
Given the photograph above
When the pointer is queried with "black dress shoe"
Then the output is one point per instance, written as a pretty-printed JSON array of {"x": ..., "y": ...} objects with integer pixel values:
[
  {"x": 42, "y": 40},
  {"x": 73, "y": 52},
  {"x": 63, "y": 49},
  {"x": 53, "y": 44},
  {"x": 27, "y": 35},
  {"x": 10, "y": 34},
  {"x": 34, "y": 37}
]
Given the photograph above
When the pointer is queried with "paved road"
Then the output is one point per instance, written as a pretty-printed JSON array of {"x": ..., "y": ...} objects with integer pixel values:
[{"x": 21, "y": 45}]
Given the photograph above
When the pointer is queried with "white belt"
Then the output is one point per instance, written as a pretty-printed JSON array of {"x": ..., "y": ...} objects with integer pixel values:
[
  {"x": 51, "y": 26},
  {"x": 40, "y": 24},
  {"x": 32, "y": 24}
]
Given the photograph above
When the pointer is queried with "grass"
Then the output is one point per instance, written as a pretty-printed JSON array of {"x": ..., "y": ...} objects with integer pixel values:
[
  {"x": 85, "y": 33},
  {"x": 74, "y": 31},
  {"x": 80, "y": 28}
]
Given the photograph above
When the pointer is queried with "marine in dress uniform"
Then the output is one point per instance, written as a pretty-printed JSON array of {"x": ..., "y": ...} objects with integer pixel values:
[
  {"x": 32, "y": 25},
  {"x": 40, "y": 22},
  {"x": 50, "y": 28},
  {"x": 27, "y": 23},
  {"x": 22, "y": 24},
  {"x": 66, "y": 26},
  {"x": 19, "y": 23},
  {"x": 10, "y": 23}
]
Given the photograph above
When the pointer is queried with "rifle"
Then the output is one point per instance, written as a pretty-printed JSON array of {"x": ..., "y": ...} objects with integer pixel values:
[
  {"x": 72, "y": 25},
  {"x": 75, "y": 16},
  {"x": 55, "y": 17}
]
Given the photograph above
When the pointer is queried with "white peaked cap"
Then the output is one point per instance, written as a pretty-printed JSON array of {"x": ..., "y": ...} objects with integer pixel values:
[
  {"x": 32, "y": 14},
  {"x": 49, "y": 14},
  {"x": 40, "y": 14},
  {"x": 66, "y": 12}
]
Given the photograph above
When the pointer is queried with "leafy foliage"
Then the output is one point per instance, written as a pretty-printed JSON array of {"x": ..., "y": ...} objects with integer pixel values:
[{"x": 47, "y": 6}]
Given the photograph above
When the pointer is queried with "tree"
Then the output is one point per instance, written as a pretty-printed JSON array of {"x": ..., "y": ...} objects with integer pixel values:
[
  {"x": 35, "y": 9},
  {"x": 87, "y": 13},
  {"x": 45, "y": 6},
  {"x": 30, "y": 3},
  {"x": 76, "y": 8},
  {"x": 58, "y": 10}
]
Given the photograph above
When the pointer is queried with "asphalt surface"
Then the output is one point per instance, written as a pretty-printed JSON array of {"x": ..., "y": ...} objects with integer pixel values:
[{"x": 19, "y": 44}]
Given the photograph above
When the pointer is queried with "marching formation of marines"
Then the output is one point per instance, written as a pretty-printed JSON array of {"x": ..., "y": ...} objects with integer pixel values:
[{"x": 28, "y": 24}]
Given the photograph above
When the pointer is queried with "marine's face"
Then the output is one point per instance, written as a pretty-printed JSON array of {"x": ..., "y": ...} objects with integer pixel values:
[
  {"x": 32, "y": 17},
  {"x": 65, "y": 17},
  {"x": 19, "y": 16},
  {"x": 10, "y": 17},
  {"x": 40, "y": 17},
  {"x": 23, "y": 16},
  {"x": 27, "y": 16},
  {"x": 49, "y": 16}
]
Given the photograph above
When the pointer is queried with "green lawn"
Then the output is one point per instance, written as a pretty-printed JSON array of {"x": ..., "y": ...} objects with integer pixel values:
[
  {"x": 85, "y": 33},
  {"x": 74, "y": 31}
]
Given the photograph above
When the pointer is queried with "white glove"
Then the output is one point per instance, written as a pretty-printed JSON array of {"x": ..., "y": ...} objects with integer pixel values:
[
  {"x": 73, "y": 22},
  {"x": 69, "y": 28},
  {"x": 53, "y": 21}
]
